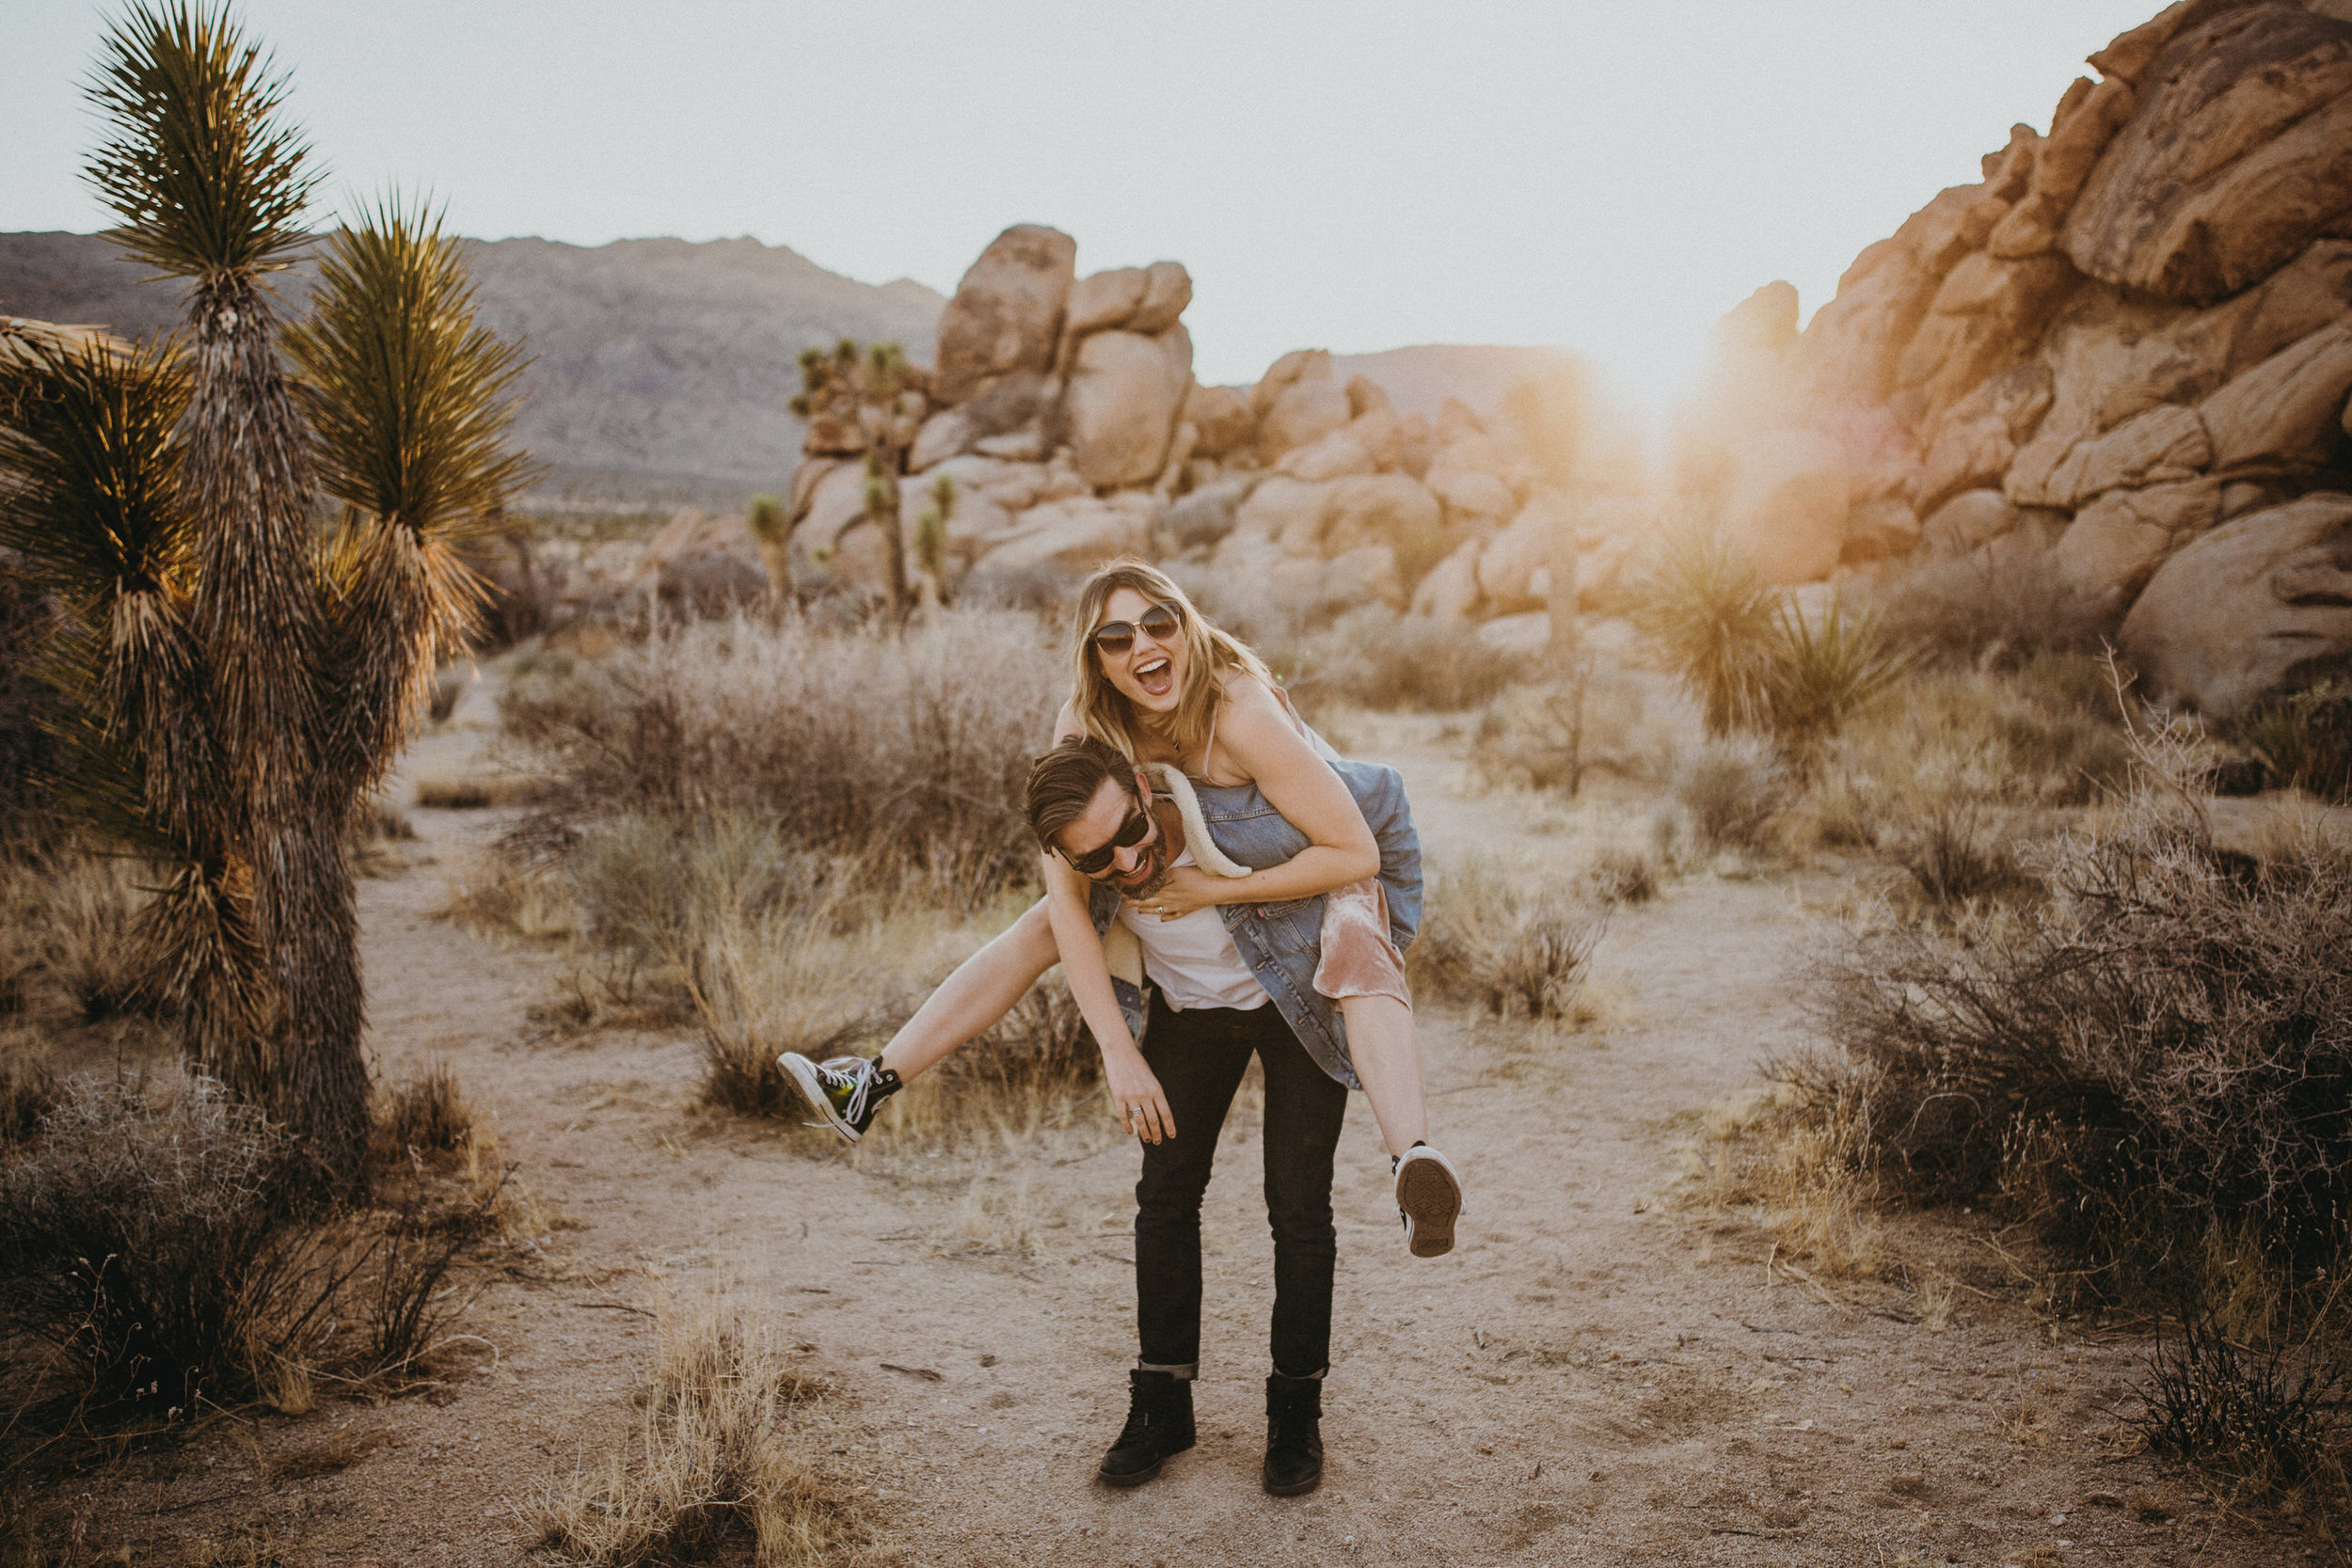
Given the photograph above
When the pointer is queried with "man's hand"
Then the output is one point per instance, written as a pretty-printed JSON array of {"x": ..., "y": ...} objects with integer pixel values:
[
  {"x": 1187, "y": 888},
  {"x": 1135, "y": 1092}
]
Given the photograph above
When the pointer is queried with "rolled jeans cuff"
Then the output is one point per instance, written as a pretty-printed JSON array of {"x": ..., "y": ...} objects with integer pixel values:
[{"x": 1184, "y": 1372}]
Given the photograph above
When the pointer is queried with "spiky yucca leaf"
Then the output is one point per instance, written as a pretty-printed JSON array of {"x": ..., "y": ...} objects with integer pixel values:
[
  {"x": 409, "y": 395},
  {"x": 1822, "y": 670},
  {"x": 1712, "y": 618},
  {"x": 410, "y": 399},
  {"x": 204, "y": 177},
  {"x": 89, "y": 466}
]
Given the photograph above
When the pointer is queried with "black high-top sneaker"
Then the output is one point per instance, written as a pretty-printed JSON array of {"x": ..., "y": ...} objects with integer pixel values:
[
  {"x": 1294, "y": 1438},
  {"x": 846, "y": 1092},
  {"x": 1159, "y": 1423}
]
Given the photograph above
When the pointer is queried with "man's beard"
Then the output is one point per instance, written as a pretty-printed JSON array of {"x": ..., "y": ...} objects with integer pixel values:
[{"x": 1163, "y": 867}]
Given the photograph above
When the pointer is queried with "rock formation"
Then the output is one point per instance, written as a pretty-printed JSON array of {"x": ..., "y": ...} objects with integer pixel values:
[{"x": 2132, "y": 340}]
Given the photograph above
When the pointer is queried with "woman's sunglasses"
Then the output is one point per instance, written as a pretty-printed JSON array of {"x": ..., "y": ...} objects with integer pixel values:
[
  {"x": 1131, "y": 832},
  {"x": 1117, "y": 637}
]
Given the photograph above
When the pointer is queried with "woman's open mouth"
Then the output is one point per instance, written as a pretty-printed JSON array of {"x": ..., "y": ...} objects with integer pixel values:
[{"x": 1156, "y": 676}]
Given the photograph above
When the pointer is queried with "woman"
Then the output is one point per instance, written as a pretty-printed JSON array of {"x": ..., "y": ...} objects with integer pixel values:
[{"x": 1155, "y": 679}]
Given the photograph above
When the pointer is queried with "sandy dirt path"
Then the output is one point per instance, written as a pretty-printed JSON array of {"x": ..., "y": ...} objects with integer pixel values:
[{"x": 1598, "y": 1373}]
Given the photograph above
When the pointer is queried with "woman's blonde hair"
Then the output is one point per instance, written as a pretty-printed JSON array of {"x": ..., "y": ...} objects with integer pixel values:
[{"x": 1210, "y": 655}]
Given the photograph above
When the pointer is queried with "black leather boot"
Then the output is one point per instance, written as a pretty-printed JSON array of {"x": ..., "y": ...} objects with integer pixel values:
[
  {"x": 1293, "y": 1439},
  {"x": 1159, "y": 1423}
]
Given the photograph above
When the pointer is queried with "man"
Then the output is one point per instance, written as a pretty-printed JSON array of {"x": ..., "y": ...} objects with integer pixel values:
[{"x": 1226, "y": 982}]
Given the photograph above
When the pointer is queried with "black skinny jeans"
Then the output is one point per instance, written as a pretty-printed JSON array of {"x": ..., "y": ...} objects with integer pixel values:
[{"x": 1199, "y": 1056}]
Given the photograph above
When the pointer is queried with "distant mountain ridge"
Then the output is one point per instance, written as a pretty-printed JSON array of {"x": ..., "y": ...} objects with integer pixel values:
[{"x": 661, "y": 368}]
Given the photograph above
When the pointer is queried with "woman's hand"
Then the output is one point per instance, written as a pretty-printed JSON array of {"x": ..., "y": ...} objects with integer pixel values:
[
  {"x": 1136, "y": 1092},
  {"x": 1187, "y": 888}
]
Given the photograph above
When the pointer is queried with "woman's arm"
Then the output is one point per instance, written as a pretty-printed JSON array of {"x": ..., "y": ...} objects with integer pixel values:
[{"x": 1260, "y": 740}]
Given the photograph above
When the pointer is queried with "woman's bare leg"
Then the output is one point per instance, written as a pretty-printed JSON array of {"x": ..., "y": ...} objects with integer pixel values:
[
  {"x": 982, "y": 990},
  {"x": 1386, "y": 1049}
]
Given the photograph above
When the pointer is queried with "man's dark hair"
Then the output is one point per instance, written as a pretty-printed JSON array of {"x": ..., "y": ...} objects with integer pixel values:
[{"x": 1063, "y": 781}]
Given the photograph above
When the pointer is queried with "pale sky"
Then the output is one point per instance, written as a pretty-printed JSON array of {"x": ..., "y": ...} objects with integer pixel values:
[{"x": 1355, "y": 175}]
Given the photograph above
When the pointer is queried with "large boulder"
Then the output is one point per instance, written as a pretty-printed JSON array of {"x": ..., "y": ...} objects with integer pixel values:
[
  {"x": 1052, "y": 547},
  {"x": 2259, "y": 606},
  {"x": 1299, "y": 398},
  {"x": 701, "y": 565},
  {"x": 1449, "y": 589},
  {"x": 1314, "y": 588},
  {"x": 2162, "y": 445},
  {"x": 1223, "y": 417},
  {"x": 1985, "y": 313},
  {"x": 1332, "y": 456},
  {"x": 834, "y": 503},
  {"x": 1786, "y": 506},
  {"x": 1519, "y": 567},
  {"x": 1394, "y": 509},
  {"x": 2240, "y": 153},
  {"x": 1119, "y": 411},
  {"x": 1285, "y": 508},
  {"x": 1979, "y": 435},
  {"x": 946, "y": 433},
  {"x": 2285, "y": 413},
  {"x": 1204, "y": 517},
  {"x": 1969, "y": 521},
  {"x": 2117, "y": 541},
  {"x": 1006, "y": 317}
]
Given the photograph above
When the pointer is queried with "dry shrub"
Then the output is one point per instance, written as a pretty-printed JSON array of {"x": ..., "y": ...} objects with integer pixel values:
[
  {"x": 1624, "y": 874},
  {"x": 1733, "y": 791},
  {"x": 1486, "y": 942},
  {"x": 2160, "y": 1047},
  {"x": 1991, "y": 610},
  {"x": 2268, "y": 1415},
  {"x": 149, "y": 1230},
  {"x": 29, "y": 1090},
  {"x": 910, "y": 750},
  {"x": 1594, "y": 718},
  {"x": 2304, "y": 740},
  {"x": 1375, "y": 658},
  {"x": 1037, "y": 1067},
  {"x": 709, "y": 1461}
]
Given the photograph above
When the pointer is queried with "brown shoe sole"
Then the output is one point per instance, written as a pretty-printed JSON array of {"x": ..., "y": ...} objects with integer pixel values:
[{"x": 1431, "y": 1197}]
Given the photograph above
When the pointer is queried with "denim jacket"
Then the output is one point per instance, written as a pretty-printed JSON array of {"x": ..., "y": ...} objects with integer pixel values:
[{"x": 1281, "y": 942}]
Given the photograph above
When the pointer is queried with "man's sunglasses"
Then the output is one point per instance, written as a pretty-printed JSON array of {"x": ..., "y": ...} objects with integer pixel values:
[
  {"x": 1131, "y": 832},
  {"x": 1117, "y": 637}
]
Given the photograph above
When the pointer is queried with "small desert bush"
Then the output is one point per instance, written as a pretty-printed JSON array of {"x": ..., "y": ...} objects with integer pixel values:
[
  {"x": 475, "y": 791},
  {"x": 70, "y": 942},
  {"x": 1623, "y": 874},
  {"x": 151, "y": 1231},
  {"x": 1375, "y": 658},
  {"x": 423, "y": 1112},
  {"x": 2268, "y": 1415},
  {"x": 1488, "y": 942},
  {"x": 2157, "y": 1049},
  {"x": 909, "y": 749},
  {"x": 1593, "y": 717},
  {"x": 709, "y": 1461},
  {"x": 1733, "y": 792},
  {"x": 2304, "y": 740},
  {"x": 1991, "y": 610}
]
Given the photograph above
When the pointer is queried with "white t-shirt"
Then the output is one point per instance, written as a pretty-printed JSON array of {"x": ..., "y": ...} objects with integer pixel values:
[{"x": 1192, "y": 958}]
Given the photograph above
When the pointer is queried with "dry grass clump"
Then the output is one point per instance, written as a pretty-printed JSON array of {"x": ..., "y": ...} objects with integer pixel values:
[
  {"x": 709, "y": 1461},
  {"x": 476, "y": 791},
  {"x": 2269, "y": 1414},
  {"x": 909, "y": 751},
  {"x": 1485, "y": 940},
  {"x": 424, "y": 1113},
  {"x": 1805, "y": 1168},
  {"x": 70, "y": 943},
  {"x": 2304, "y": 740},
  {"x": 1733, "y": 791}
]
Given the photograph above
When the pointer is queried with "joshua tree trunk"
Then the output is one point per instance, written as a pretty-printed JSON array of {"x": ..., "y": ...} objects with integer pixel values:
[{"x": 258, "y": 626}]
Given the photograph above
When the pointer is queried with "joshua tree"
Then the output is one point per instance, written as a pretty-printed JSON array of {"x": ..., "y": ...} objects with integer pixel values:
[
  {"x": 875, "y": 403},
  {"x": 236, "y": 681},
  {"x": 930, "y": 533}
]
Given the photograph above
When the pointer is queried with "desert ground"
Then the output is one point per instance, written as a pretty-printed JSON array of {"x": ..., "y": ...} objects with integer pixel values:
[{"x": 1612, "y": 1367}]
